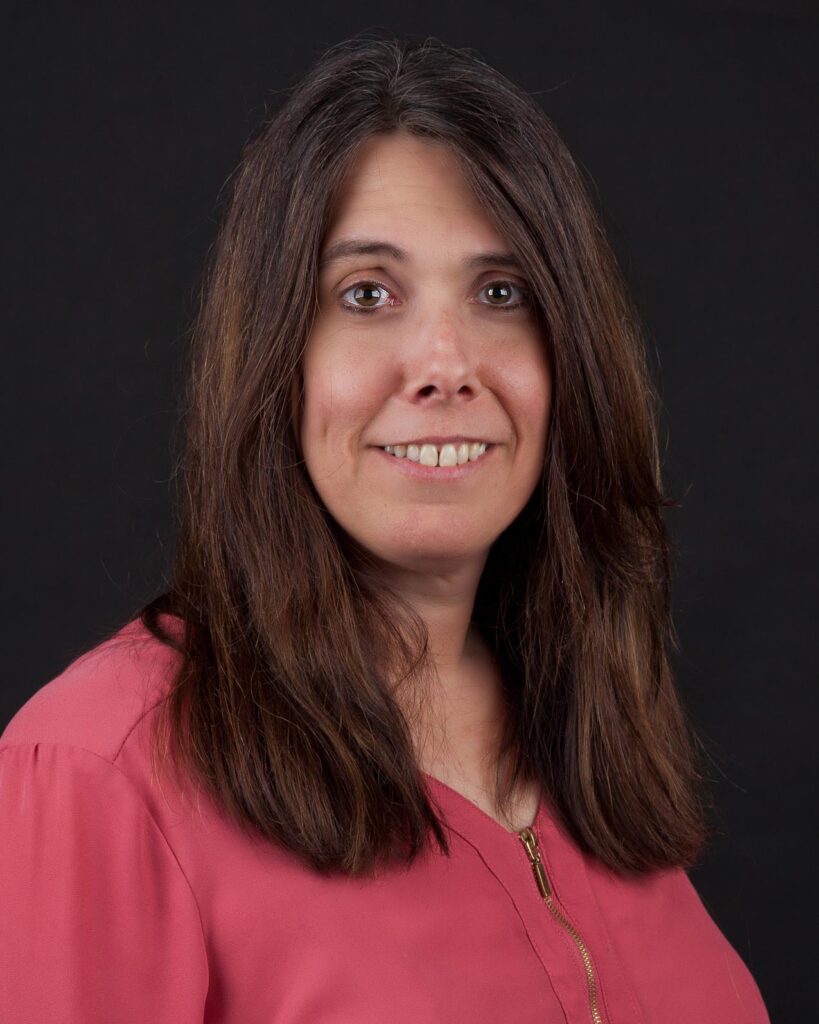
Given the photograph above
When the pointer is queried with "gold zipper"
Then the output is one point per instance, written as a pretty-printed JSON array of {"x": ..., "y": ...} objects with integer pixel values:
[{"x": 529, "y": 839}]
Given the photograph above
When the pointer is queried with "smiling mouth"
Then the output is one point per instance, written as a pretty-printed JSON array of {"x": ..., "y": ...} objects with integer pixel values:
[
  {"x": 419, "y": 469},
  {"x": 439, "y": 455}
]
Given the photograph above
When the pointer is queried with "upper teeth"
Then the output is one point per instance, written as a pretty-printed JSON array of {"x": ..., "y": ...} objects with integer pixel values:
[{"x": 432, "y": 455}]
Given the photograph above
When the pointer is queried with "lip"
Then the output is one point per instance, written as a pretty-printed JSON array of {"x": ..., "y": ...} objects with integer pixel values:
[
  {"x": 455, "y": 439},
  {"x": 443, "y": 474}
]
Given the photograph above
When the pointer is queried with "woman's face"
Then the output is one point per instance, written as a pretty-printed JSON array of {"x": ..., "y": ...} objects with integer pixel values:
[{"x": 414, "y": 344}]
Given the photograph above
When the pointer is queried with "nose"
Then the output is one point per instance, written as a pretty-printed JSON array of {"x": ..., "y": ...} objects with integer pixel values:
[{"x": 440, "y": 364}]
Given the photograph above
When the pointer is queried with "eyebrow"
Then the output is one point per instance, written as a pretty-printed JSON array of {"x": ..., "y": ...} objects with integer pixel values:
[{"x": 346, "y": 248}]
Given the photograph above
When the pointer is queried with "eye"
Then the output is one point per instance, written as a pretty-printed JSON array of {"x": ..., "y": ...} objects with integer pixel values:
[
  {"x": 367, "y": 292},
  {"x": 503, "y": 290}
]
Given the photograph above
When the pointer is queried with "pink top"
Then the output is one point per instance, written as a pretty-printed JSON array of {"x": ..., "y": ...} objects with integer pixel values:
[{"x": 119, "y": 903}]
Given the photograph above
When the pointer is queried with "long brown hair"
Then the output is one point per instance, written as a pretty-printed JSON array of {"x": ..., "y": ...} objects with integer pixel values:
[{"x": 281, "y": 702}]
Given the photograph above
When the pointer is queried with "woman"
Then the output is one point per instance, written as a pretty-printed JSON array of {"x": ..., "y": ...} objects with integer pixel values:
[{"x": 400, "y": 739}]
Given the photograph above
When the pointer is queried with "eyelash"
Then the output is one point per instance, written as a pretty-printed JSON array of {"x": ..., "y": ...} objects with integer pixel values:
[{"x": 368, "y": 310}]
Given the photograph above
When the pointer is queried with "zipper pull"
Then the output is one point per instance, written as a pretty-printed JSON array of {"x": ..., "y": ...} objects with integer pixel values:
[{"x": 529, "y": 840}]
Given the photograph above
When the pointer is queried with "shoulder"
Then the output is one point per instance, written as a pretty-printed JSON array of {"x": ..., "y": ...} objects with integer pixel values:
[
  {"x": 84, "y": 852},
  {"x": 97, "y": 701}
]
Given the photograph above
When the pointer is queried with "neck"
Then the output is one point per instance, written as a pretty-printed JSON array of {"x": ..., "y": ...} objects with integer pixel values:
[{"x": 458, "y": 720}]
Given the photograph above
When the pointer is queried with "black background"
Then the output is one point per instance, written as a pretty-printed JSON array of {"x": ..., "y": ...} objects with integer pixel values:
[{"x": 696, "y": 123}]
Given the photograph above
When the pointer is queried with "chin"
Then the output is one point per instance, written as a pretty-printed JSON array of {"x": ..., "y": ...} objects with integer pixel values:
[{"x": 429, "y": 557}]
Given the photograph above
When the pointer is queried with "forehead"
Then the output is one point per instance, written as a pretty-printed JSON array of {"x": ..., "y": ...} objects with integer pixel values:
[
  {"x": 399, "y": 183},
  {"x": 399, "y": 160}
]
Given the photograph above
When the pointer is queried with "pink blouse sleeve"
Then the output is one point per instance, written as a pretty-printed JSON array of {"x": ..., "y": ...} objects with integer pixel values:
[{"x": 97, "y": 920}]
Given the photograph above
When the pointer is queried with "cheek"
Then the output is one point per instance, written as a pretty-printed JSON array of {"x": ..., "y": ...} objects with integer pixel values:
[
  {"x": 527, "y": 388},
  {"x": 342, "y": 393}
]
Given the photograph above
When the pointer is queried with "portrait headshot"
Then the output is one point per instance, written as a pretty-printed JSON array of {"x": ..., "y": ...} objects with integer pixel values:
[{"x": 404, "y": 529}]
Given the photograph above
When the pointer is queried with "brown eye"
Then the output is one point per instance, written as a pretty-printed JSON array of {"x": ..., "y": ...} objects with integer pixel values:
[
  {"x": 501, "y": 291},
  {"x": 498, "y": 291},
  {"x": 365, "y": 296},
  {"x": 369, "y": 294}
]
